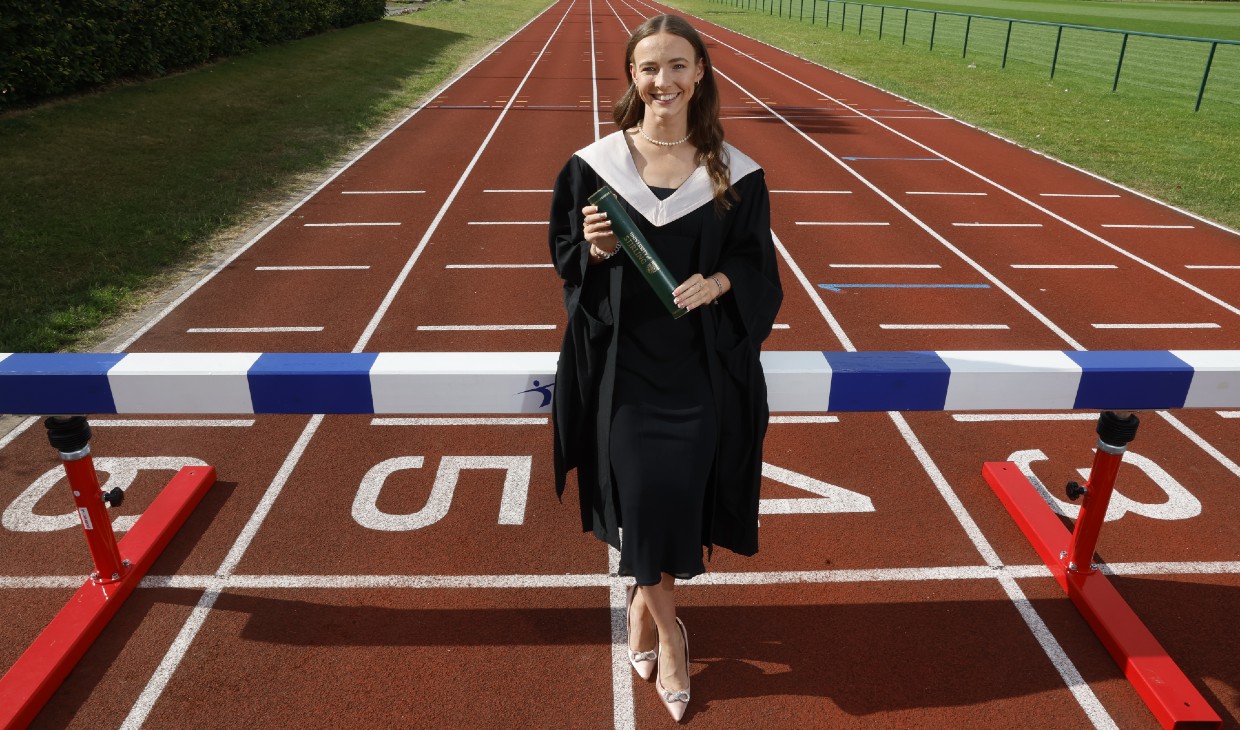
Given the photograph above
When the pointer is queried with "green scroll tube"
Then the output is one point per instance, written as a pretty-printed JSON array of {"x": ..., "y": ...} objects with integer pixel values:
[{"x": 638, "y": 249}]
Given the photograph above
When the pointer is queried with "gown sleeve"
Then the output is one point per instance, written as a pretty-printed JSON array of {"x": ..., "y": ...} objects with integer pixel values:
[
  {"x": 748, "y": 259},
  {"x": 570, "y": 253}
]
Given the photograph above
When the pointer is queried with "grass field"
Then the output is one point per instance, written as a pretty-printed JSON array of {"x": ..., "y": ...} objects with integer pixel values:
[
  {"x": 106, "y": 196},
  {"x": 1193, "y": 19},
  {"x": 1142, "y": 137}
]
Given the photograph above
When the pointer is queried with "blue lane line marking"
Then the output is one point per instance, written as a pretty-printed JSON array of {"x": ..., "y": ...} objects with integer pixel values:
[
  {"x": 906, "y": 159},
  {"x": 838, "y": 287}
]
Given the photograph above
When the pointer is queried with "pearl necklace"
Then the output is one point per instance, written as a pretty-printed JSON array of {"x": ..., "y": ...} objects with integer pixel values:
[{"x": 652, "y": 140}]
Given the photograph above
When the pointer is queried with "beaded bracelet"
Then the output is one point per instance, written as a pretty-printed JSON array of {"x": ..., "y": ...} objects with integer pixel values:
[
  {"x": 602, "y": 255},
  {"x": 716, "y": 280}
]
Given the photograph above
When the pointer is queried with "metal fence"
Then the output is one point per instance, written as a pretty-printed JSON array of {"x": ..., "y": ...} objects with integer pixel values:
[{"x": 1206, "y": 67}]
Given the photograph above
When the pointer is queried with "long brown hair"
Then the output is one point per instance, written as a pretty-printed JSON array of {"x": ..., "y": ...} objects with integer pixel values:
[{"x": 705, "y": 129}]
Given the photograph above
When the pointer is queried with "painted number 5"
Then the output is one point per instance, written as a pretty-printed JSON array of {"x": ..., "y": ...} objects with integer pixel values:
[{"x": 512, "y": 504}]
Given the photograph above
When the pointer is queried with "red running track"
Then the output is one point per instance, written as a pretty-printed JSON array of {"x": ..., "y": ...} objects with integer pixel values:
[{"x": 419, "y": 572}]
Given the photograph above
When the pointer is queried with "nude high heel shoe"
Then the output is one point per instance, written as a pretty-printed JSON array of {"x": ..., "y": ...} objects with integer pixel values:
[
  {"x": 644, "y": 662},
  {"x": 676, "y": 702}
]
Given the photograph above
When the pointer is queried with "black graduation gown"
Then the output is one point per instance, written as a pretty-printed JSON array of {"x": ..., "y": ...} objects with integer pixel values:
[{"x": 738, "y": 243}]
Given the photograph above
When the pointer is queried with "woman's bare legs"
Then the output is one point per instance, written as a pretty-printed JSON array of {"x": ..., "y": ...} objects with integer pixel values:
[{"x": 659, "y": 601}]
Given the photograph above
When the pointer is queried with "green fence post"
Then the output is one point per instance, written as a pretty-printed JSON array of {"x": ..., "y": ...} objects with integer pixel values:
[
  {"x": 813, "y": 12},
  {"x": 1007, "y": 42},
  {"x": 827, "y": 22},
  {"x": 904, "y": 36},
  {"x": 933, "y": 24},
  {"x": 844, "y": 15},
  {"x": 1201, "y": 92},
  {"x": 968, "y": 23},
  {"x": 861, "y": 23},
  {"x": 882, "y": 15},
  {"x": 1055, "y": 58},
  {"x": 802, "y": 18},
  {"x": 1122, "y": 47}
]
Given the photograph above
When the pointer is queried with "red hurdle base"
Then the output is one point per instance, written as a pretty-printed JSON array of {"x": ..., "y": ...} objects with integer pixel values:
[
  {"x": 30, "y": 682},
  {"x": 1164, "y": 688}
]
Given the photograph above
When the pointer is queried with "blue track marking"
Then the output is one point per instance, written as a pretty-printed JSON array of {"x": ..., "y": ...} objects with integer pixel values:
[{"x": 839, "y": 287}]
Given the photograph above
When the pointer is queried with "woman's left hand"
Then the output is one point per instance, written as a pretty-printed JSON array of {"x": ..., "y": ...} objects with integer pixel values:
[{"x": 698, "y": 290}]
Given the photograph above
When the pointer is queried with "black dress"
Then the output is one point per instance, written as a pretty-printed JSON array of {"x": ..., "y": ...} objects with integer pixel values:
[
  {"x": 661, "y": 420},
  {"x": 663, "y": 426}
]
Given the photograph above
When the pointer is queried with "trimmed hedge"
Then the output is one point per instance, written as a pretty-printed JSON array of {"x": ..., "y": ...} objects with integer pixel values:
[{"x": 52, "y": 48}]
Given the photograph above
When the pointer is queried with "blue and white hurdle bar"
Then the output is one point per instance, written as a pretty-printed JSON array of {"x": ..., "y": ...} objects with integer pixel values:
[{"x": 521, "y": 382}]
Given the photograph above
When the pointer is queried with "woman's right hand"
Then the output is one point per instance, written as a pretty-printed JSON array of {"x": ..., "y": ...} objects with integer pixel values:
[{"x": 597, "y": 230}]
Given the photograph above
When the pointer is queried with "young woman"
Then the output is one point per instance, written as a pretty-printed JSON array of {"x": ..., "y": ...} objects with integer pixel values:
[{"x": 663, "y": 419}]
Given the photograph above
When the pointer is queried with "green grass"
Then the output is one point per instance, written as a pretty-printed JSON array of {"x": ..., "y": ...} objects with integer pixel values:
[
  {"x": 1144, "y": 138},
  {"x": 1202, "y": 20},
  {"x": 105, "y": 196},
  {"x": 1164, "y": 64},
  {"x": 1192, "y": 19}
]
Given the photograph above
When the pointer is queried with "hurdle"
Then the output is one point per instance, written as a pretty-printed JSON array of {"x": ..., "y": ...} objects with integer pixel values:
[{"x": 523, "y": 382}]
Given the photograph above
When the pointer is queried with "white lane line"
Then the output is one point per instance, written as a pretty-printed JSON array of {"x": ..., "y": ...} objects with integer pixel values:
[
  {"x": 1000, "y": 417},
  {"x": 1158, "y": 326},
  {"x": 814, "y": 297},
  {"x": 311, "y": 268},
  {"x": 842, "y": 223},
  {"x": 1219, "y": 568},
  {"x": 884, "y": 266},
  {"x": 781, "y": 326},
  {"x": 226, "y": 330},
  {"x": 1078, "y": 195},
  {"x": 623, "y": 713},
  {"x": 1076, "y": 684},
  {"x": 157, "y": 423},
  {"x": 997, "y": 225},
  {"x": 934, "y": 192},
  {"x": 498, "y": 266},
  {"x": 507, "y": 223},
  {"x": 518, "y": 191},
  {"x": 1136, "y": 225},
  {"x": 446, "y": 421},
  {"x": 172, "y": 659},
  {"x": 482, "y": 327},
  {"x": 456, "y": 190},
  {"x": 805, "y": 419},
  {"x": 346, "y": 225},
  {"x": 813, "y": 192},
  {"x": 1229, "y": 414},
  {"x": 943, "y": 326},
  {"x": 1205, "y": 446},
  {"x": 593, "y": 580},
  {"x": 1199, "y": 266},
  {"x": 382, "y": 192},
  {"x": 18, "y": 430},
  {"x": 42, "y": 581},
  {"x": 163, "y": 674},
  {"x": 1064, "y": 266}
]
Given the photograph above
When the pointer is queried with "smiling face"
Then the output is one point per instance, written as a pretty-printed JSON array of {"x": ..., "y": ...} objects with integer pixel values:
[{"x": 664, "y": 69}]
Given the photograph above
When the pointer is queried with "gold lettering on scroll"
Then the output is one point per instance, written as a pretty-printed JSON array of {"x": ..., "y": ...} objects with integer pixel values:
[{"x": 642, "y": 256}]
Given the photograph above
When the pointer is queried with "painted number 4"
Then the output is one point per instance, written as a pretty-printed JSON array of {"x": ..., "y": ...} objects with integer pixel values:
[{"x": 830, "y": 498}]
